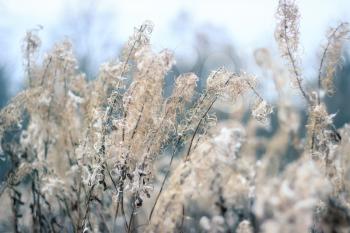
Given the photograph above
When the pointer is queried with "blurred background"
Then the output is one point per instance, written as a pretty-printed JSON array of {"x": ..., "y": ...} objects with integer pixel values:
[{"x": 204, "y": 35}]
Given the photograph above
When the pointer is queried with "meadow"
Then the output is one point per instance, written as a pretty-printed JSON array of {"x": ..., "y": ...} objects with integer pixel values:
[{"x": 118, "y": 154}]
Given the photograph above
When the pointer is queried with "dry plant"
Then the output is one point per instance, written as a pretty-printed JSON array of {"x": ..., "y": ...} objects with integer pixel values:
[{"x": 116, "y": 155}]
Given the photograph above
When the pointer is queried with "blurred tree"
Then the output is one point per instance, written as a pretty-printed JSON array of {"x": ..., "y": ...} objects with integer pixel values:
[
  {"x": 4, "y": 95},
  {"x": 3, "y": 87},
  {"x": 92, "y": 32}
]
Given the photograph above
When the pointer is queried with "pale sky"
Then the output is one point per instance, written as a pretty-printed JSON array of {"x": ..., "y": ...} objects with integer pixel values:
[{"x": 248, "y": 24}]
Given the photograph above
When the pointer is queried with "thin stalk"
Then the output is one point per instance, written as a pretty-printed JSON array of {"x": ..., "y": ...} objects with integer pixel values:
[
  {"x": 131, "y": 217},
  {"x": 164, "y": 179},
  {"x": 87, "y": 206},
  {"x": 197, "y": 128},
  {"x": 324, "y": 54},
  {"x": 292, "y": 60},
  {"x": 120, "y": 198}
]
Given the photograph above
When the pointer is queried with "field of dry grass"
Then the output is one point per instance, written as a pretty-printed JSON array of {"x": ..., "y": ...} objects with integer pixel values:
[{"x": 115, "y": 154}]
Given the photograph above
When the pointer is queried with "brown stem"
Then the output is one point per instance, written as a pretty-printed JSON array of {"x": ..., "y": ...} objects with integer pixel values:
[
  {"x": 197, "y": 128},
  {"x": 292, "y": 60},
  {"x": 164, "y": 179},
  {"x": 87, "y": 210},
  {"x": 131, "y": 217},
  {"x": 324, "y": 54}
]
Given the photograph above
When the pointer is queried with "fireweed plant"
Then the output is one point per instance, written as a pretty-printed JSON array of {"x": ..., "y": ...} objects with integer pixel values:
[{"x": 115, "y": 155}]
